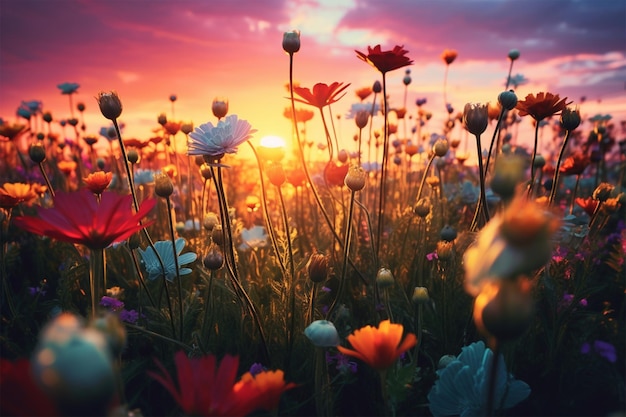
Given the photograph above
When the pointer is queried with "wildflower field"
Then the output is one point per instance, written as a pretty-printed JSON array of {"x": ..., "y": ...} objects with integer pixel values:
[{"x": 392, "y": 271}]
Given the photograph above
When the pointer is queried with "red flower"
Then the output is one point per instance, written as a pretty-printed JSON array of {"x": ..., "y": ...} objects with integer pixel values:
[
  {"x": 448, "y": 56},
  {"x": 78, "y": 218},
  {"x": 542, "y": 106},
  {"x": 575, "y": 164},
  {"x": 20, "y": 394},
  {"x": 588, "y": 204},
  {"x": 385, "y": 61},
  {"x": 205, "y": 388},
  {"x": 336, "y": 174},
  {"x": 322, "y": 94}
]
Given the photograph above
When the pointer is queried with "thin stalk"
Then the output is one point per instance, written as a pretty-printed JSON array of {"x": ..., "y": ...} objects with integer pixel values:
[
  {"x": 207, "y": 309},
  {"x": 96, "y": 276},
  {"x": 555, "y": 179},
  {"x": 493, "y": 374},
  {"x": 481, "y": 207},
  {"x": 45, "y": 177},
  {"x": 346, "y": 253},
  {"x": 532, "y": 160},
  {"x": 180, "y": 285},
  {"x": 493, "y": 139},
  {"x": 571, "y": 206},
  {"x": 381, "y": 197},
  {"x": 141, "y": 280},
  {"x": 419, "y": 191}
]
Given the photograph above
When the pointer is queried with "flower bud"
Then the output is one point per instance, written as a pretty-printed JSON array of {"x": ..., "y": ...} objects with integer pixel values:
[
  {"x": 133, "y": 156},
  {"x": 570, "y": 119},
  {"x": 100, "y": 163},
  {"x": 205, "y": 171},
  {"x": 186, "y": 128},
  {"x": 47, "y": 117},
  {"x": 342, "y": 156},
  {"x": 603, "y": 191},
  {"x": 540, "y": 161},
  {"x": 513, "y": 54},
  {"x": 362, "y": 118},
  {"x": 475, "y": 118},
  {"x": 276, "y": 174},
  {"x": 219, "y": 107},
  {"x": 422, "y": 207},
  {"x": 81, "y": 107},
  {"x": 110, "y": 104},
  {"x": 407, "y": 77},
  {"x": 163, "y": 185},
  {"x": 507, "y": 314},
  {"x": 317, "y": 267},
  {"x": 508, "y": 173},
  {"x": 377, "y": 87},
  {"x": 507, "y": 99},
  {"x": 73, "y": 121},
  {"x": 440, "y": 148},
  {"x": 210, "y": 221},
  {"x": 37, "y": 153},
  {"x": 217, "y": 234},
  {"x": 322, "y": 333},
  {"x": 355, "y": 178},
  {"x": 384, "y": 278},
  {"x": 448, "y": 233},
  {"x": 291, "y": 41},
  {"x": 162, "y": 119},
  {"x": 420, "y": 296},
  {"x": 214, "y": 259}
]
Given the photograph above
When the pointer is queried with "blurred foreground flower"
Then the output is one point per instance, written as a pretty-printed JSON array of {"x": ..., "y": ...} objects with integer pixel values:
[
  {"x": 380, "y": 346},
  {"x": 204, "y": 388},
  {"x": 78, "y": 218},
  {"x": 462, "y": 385},
  {"x": 164, "y": 249},
  {"x": 19, "y": 393},
  {"x": 215, "y": 141}
]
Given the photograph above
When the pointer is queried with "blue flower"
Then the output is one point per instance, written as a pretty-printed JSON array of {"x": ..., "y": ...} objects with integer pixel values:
[
  {"x": 255, "y": 237},
  {"x": 357, "y": 107},
  {"x": 164, "y": 249},
  {"x": 462, "y": 385},
  {"x": 68, "y": 88},
  {"x": 144, "y": 176},
  {"x": 225, "y": 137}
]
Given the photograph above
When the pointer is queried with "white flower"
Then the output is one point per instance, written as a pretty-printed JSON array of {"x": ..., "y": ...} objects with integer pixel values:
[
  {"x": 255, "y": 237},
  {"x": 220, "y": 139}
]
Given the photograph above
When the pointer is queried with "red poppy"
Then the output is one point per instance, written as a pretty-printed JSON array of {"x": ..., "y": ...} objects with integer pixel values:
[
  {"x": 575, "y": 164},
  {"x": 296, "y": 177},
  {"x": 448, "y": 56},
  {"x": 588, "y": 204},
  {"x": 364, "y": 92},
  {"x": 78, "y": 218},
  {"x": 322, "y": 94},
  {"x": 204, "y": 388},
  {"x": 541, "y": 106},
  {"x": 20, "y": 394},
  {"x": 385, "y": 61},
  {"x": 336, "y": 174}
]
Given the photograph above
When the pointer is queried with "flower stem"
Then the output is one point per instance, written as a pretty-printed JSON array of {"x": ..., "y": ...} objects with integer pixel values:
[
  {"x": 493, "y": 373},
  {"x": 555, "y": 179},
  {"x": 481, "y": 207},
  {"x": 45, "y": 177},
  {"x": 180, "y": 285},
  {"x": 383, "y": 169},
  {"x": 532, "y": 160},
  {"x": 96, "y": 277}
]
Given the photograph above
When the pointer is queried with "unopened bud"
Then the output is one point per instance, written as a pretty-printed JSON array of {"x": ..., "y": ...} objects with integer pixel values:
[
  {"x": 133, "y": 156},
  {"x": 110, "y": 104},
  {"x": 570, "y": 119},
  {"x": 163, "y": 186},
  {"x": 214, "y": 259},
  {"x": 384, "y": 278},
  {"x": 507, "y": 99},
  {"x": 440, "y": 148},
  {"x": 219, "y": 107},
  {"x": 420, "y": 296},
  {"x": 37, "y": 153},
  {"x": 291, "y": 41},
  {"x": 317, "y": 267},
  {"x": 276, "y": 174},
  {"x": 355, "y": 178},
  {"x": 362, "y": 118}
]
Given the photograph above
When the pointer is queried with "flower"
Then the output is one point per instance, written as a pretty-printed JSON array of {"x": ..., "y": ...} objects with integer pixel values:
[
  {"x": 475, "y": 118},
  {"x": 110, "y": 104},
  {"x": 68, "y": 88},
  {"x": 322, "y": 333},
  {"x": 18, "y": 192},
  {"x": 461, "y": 388},
  {"x": 291, "y": 41},
  {"x": 254, "y": 237},
  {"x": 97, "y": 182},
  {"x": 321, "y": 95},
  {"x": 78, "y": 218},
  {"x": 448, "y": 56},
  {"x": 225, "y": 137},
  {"x": 164, "y": 249},
  {"x": 541, "y": 106},
  {"x": 205, "y": 388},
  {"x": 385, "y": 61},
  {"x": 335, "y": 174},
  {"x": 302, "y": 115},
  {"x": 588, "y": 204},
  {"x": 363, "y": 92},
  {"x": 380, "y": 346},
  {"x": 604, "y": 349},
  {"x": 11, "y": 130},
  {"x": 575, "y": 164},
  {"x": 512, "y": 243}
]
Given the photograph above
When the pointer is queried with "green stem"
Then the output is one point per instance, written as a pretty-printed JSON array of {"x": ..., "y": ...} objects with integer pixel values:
[
  {"x": 532, "y": 160},
  {"x": 555, "y": 179},
  {"x": 383, "y": 169},
  {"x": 96, "y": 277},
  {"x": 180, "y": 285}
]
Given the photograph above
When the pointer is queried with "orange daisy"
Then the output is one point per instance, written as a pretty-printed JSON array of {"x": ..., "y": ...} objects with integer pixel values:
[
  {"x": 588, "y": 204},
  {"x": 541, "y": 106},
  {"x": 379, "y": 347},
  {"x": 97, "y": 182},
  {"x": 17, "y": 192},
  {"x": 67, "y": 167}
]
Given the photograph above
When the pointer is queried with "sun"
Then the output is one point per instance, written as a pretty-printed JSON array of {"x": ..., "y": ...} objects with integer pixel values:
[{"x": 272, "y": 141}]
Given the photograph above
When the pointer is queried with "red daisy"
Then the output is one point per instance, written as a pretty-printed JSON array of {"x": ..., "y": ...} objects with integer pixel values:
[
  {"x": 321, "y": 95},
  {"x": 78, "y": 218},
  {"x": 541, "y": 106},
  {"x": 385, "y": 61}
]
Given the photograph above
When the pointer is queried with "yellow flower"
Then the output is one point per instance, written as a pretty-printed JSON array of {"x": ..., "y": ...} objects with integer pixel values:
[{"x": 23, "y": 193}]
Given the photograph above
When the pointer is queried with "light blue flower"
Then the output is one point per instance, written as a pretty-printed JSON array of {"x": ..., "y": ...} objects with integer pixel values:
[
  {"x": 220, "y": 139},
  {"x": 68, "y": 88},
  {"x": 255, "y": 237},
  {"x": 144, "y": 176},
  {"x": 357, "y": 107},
  {"x": 164, "y": 248},
  {"x": 461, "y": 389}
]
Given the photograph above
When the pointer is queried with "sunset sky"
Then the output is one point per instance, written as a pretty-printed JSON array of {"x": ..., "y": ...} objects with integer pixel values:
[{"x": 199, "y": 50}]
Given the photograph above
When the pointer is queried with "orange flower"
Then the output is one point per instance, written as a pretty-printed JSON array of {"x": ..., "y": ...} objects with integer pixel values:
[
  {"x": 322, "y": 94},
  {"x": 541, "y": 106},
  {"x": 385, "y": 61},
  {"x": 335, "y": 174},
  {"x": 136, "y": 143},
  {"x": 575, "y": 164},
  {"x": 267, "y": 387},
  {"x": 97, "y": 182},
  {"x": 363, "y": 93},
  {"x": 302, "y": 115},
  {"x": 172, "y": 127},
  {"x": 66, "y": 167},
  {"x": 448, "y": 56},
  {"x": 18, "y": 192},
  {"x": 11, "y": 131},
  {"x": 588, "y": 204},
  {"x": 379, "y": 347}
]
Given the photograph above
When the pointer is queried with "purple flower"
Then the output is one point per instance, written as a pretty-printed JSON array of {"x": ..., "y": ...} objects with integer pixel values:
[
  {"x": 432, "y": 256},
  {"x": 604, "y": 349},
  {"x": 129, "y": 316},
  {"x": 256, "y": 368},
  {"x": 111, "y": 303}
]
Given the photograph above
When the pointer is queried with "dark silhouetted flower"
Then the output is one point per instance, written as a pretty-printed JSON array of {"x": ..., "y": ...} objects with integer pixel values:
[
  {"x": 68, "y": 88},
  {"x": 321, "y": 95},
  {"x": 78, "y": 218},
  {"x": 448, "y": 56},
  {"x": 385, "y": 61},
  {"x": 541, "y": 106}
]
